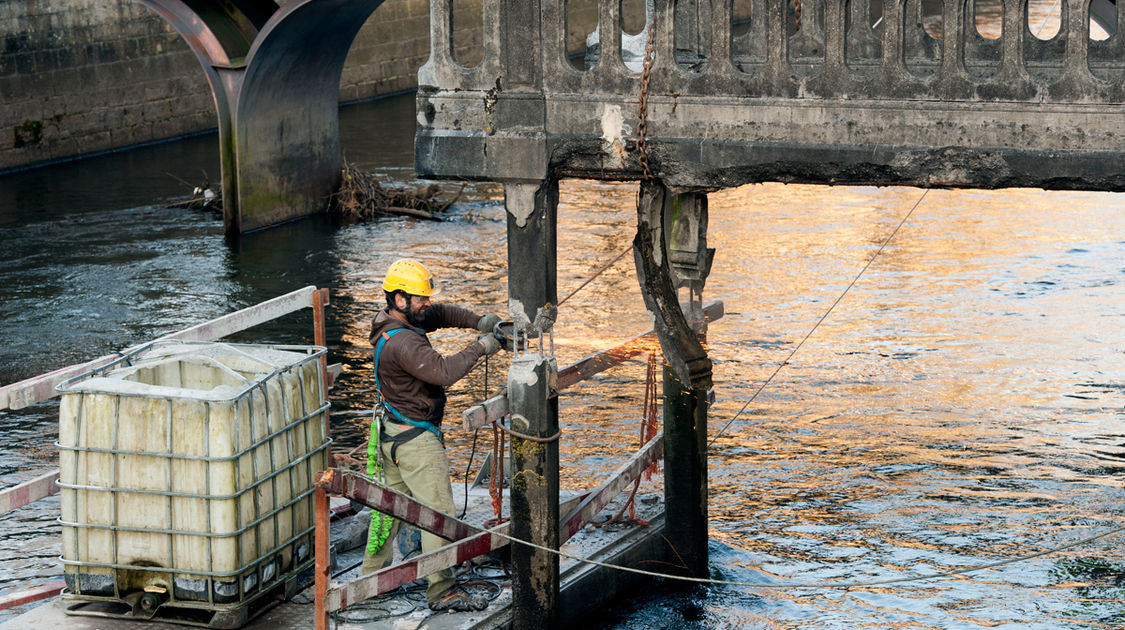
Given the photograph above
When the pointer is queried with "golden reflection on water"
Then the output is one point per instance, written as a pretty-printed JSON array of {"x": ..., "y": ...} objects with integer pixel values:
[{"x": 962, "y": 403}]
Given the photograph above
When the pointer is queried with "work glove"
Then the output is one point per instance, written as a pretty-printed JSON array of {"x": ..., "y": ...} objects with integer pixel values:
[
  {"x": 490, "y": 343},
  {"x": 487, "y": 323}
]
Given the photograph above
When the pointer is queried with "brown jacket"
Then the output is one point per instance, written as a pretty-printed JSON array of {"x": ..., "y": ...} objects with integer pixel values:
[{"x": 412, "y": 375}]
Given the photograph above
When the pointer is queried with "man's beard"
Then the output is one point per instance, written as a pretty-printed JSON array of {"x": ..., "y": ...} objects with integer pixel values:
[{"x": 415, "y": 318}]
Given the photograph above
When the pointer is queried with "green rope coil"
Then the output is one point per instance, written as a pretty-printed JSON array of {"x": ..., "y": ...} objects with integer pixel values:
[{"x": 380, "y": 523}]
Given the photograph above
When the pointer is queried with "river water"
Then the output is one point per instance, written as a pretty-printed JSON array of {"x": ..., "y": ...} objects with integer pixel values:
[{"x": 963, "y": 404}]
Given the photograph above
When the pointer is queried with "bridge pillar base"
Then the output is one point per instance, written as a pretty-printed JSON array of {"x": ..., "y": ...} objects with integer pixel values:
[{"x": 533, "y": 401}]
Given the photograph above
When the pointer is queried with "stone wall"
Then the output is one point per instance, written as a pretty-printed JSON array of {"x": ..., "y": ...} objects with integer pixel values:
[{"x": 83, "y": 76}]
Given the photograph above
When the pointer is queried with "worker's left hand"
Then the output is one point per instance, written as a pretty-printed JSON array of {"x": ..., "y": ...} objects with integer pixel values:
[
  {"x": 490, "y": 343},
  {"x": 487, "y": 323}
]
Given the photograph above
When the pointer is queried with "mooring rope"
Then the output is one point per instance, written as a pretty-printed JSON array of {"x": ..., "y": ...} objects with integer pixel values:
[
  {"x": 787, "y": 584},
  {"x": 822, "y": 318}
]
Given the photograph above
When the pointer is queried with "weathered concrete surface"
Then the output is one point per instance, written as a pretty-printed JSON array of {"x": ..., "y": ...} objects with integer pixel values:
[{"x": 831, "y": 105}]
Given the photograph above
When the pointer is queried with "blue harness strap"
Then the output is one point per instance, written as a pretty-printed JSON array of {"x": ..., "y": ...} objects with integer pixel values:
[{"x": 421, "y": 424}]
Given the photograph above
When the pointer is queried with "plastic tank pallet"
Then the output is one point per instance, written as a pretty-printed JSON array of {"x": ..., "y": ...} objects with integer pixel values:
[{"x": 186, "y": 475}]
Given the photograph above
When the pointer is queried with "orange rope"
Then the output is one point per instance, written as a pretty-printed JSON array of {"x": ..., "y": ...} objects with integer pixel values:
[
  {"x": 648, "y": 431},
  {"x": 496, "y": 474},
  {"x": 652, "y": 408}
]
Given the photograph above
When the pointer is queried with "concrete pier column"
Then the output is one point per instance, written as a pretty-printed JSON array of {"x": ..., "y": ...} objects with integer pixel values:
[
  {"x": 671, "y": 253},
  {"x": 533, "y": 403},
  {"x": 274, "y": 70},
  {"x": 685, "y": 474}
]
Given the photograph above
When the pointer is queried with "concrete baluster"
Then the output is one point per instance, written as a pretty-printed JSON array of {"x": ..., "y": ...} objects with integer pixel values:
[
  {"x": 953, "y": 80},
  {"x": 438, "y": 69},
  {"x": 894, "y": 52},
  {"x": 834, "y": 75},
  {"x": 917, "y": 42},
  {"x": 807, "y": 44},
  {"x": 755, "y": 43},
  {"x": 862, "y": 42},
  {"x": 558, "y": 74},
  {"x": 691, "y": 26},
  {"x": 1012, "y": 82},
  {"x": 1077, "y": 82},
  {"x": 520, "y": 43},
  {"x": 776, "y": 73},
  {"x": 611, "y": 67},
  {"x": 664, "y": 65},
  {"x": 489, "y": 67},
  {"x": 720, "y": 67}
]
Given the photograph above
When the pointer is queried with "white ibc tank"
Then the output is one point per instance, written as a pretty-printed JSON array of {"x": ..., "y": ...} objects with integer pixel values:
[{"x": 187, "y": 469}]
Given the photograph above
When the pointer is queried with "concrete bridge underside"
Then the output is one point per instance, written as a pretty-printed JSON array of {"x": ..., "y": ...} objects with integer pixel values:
[{"x": 274, "y": 71}]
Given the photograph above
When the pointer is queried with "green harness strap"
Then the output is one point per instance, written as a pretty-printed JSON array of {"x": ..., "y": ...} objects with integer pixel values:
[{"x": 380, "y": 523}]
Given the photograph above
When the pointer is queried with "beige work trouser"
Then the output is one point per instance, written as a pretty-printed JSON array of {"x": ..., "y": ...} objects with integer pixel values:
[{"x": 422, "y": 472}]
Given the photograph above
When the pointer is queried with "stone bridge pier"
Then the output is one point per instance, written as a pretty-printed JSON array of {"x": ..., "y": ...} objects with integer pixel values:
[{"x": 275, "y": 74}]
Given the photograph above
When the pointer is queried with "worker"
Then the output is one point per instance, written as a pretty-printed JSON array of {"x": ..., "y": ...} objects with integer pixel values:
[{"x": 411, "y": 378}]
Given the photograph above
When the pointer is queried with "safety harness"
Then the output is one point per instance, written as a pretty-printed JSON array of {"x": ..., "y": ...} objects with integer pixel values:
[
  {"x": 418, "y": 426},
  {"x": 381, "y": 523}
]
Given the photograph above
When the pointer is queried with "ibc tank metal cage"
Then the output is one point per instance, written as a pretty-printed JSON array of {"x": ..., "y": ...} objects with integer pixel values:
[{"x": 186, "y": 473}]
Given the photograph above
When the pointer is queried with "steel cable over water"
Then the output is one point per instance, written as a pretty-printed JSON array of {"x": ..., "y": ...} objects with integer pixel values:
[
  {"x": 821, "y": 320},
  {"x": 868, "y": 584}
]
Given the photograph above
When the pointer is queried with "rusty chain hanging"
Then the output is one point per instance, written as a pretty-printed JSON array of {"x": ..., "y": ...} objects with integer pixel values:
[{"x": 642, "y": 106}]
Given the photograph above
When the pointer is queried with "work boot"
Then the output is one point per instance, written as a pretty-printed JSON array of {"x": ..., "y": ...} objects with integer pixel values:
[{"x": 457, "y": 599}]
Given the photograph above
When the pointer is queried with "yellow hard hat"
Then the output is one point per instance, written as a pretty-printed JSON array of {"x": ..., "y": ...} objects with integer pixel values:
[{"x": 409, "y": 276}]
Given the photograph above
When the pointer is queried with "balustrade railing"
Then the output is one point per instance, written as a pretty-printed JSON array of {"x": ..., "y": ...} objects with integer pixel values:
[{"x": 837, "y": 49}]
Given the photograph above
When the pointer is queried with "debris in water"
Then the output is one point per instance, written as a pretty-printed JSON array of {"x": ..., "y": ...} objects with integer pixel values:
[
  {"x": 203, "y": 197},
  {"x": 361, "y": 197}
]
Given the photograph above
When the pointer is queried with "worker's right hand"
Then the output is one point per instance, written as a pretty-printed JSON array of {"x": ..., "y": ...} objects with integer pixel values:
[
  {"x": 486, "y": 323},
  {"x": 490, "y": 343}
]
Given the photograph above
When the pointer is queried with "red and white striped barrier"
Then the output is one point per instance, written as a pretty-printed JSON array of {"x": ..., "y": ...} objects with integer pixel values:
[
  {"x": 478, "y": 543},
  {"x": 28, "y": 492},
  {"x": 367, "y": 491},
  {"x": 43, "y": 591},
  {"x": 379, "y": 582},
  {"x": 620, "y": 479}
]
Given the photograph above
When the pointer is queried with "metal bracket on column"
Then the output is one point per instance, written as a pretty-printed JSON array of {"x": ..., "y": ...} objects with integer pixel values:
[
  {"x": 653, "y": 257},
  {"x": 689, "y": 258}
]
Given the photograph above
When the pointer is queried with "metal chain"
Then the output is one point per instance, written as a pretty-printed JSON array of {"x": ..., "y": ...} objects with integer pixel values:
[{"x": 642, "y": 106}]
